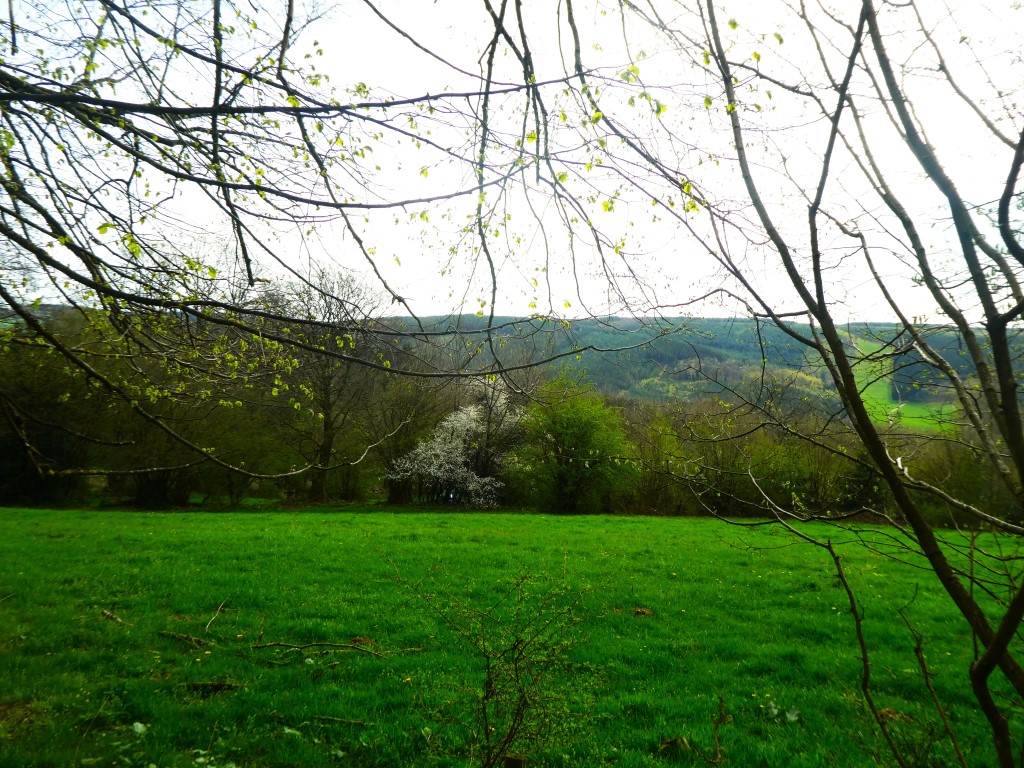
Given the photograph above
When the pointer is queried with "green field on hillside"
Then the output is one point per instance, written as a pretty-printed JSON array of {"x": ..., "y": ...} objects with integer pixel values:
[
  {"x": 874, "y": 381},
  {"x": 346, "y": 638}
]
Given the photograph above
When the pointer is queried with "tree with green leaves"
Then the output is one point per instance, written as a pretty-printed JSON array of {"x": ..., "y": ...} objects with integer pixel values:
[
  {"x": 575, "y": 458},
  {"x": 319, "y": 405}
]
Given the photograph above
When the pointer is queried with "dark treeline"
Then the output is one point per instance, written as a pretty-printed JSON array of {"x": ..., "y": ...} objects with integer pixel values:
[{"x": 721, "y": 417}]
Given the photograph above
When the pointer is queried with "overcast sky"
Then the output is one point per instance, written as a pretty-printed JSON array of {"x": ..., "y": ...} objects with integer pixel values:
[
  {"x": 671, "y": 266},
  {"x": 544, "y": 256}
]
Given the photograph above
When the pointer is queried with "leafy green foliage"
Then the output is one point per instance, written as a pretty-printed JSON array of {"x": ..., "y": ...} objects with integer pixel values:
[
  {"x": 733, "y": 389},
  {"x": 576, "y": 457}
]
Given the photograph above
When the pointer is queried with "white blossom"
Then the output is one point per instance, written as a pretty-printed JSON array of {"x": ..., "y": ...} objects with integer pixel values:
[{"x": 443, "y": 464}]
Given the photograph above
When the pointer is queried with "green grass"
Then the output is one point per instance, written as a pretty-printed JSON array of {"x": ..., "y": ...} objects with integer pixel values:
[
  {"x": 674, "y": 613},
  {"x": 874, "y": 382}
]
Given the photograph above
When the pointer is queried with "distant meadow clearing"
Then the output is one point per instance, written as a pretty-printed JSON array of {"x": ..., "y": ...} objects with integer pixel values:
[{"x": 358, "y": 638}]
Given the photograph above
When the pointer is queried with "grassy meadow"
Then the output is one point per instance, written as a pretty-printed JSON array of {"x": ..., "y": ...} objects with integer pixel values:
[
  {"x": 201, "y": 639},
  {"x": 874, "y": 381}
]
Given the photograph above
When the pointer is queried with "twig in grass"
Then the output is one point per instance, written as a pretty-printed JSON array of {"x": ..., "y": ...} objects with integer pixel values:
[
  {"x": 209, "y": 688},
  {"x": 197, "y": 642},
  {"x": 926, "y": 674},
  {"x": 682, "y": 744},
  {"x": 78, "y": 747},
  {"x": 220, "y": 610},
  {"x": 340, "y": 646},
  {"x": 346, "y": 721},
  {"x": 865, "y": 659},
  {"x": 721, "y": 720},
  {"x": 213, "y": 735},
  {"x": 111, "y": 616},
  {"x": 7, "y": 597}
]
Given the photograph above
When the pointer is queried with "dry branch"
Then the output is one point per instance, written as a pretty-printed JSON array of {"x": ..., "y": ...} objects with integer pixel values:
[
  {"x": 209, "y": 688},
  {"x": 334, "y": 646},
  {"x": 220, "y": 610},
  {"x": 196, "y": 642},
  {"x": 346, "y": 721}
]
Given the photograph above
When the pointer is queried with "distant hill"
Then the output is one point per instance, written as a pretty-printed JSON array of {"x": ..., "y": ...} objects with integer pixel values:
[
  {"x": 672, "y": 359},
  {"x": 683, "y": 359},
  {"x": 705, "y": 357}
]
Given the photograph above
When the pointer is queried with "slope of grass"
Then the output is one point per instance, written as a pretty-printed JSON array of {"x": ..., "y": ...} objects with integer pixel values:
[
  {"x": 873, "y": 379},
  {"x": 131, "y": 639}
]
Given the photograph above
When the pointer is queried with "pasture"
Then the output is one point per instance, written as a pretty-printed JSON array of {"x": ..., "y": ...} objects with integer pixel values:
[
  {"x": 353, "y": 638},
  {"x": 874, "y": 381}
]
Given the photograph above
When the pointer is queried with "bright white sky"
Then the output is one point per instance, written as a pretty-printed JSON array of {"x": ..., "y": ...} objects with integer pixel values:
[
  {"x": 672, "y": 267},
  {"x": 423, "y": 253}
]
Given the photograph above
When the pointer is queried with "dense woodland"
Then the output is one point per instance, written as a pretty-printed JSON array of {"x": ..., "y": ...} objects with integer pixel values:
[{"x": 686, "y": 416}]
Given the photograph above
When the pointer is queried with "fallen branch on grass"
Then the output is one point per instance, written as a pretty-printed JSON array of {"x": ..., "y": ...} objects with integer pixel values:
[
  {"x": 329, "y": 719},
  {"x": 196, "y": 642},
  {"x": 713, "y": 758},
  {"x": 211, "y": 687},
  {"x": 220, "y": 610},
  {"x": 337, "y": 646},
  {"x": 111, "y": 616}
]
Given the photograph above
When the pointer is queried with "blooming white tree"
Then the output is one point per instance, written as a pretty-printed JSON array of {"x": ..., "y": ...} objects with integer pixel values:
[{"x": 442, "y": 467}]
